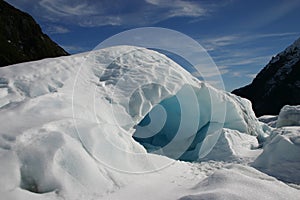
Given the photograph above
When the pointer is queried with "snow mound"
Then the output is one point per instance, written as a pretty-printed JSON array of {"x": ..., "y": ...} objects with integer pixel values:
[
  {"x": 67, "y": 124},
  {"x": 289, "y": 116},
  {"x": 280, "y": 157},
  {"x": 241, "y": 182}
]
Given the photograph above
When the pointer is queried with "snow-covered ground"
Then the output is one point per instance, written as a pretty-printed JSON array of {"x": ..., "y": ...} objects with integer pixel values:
[
  {"x": 281, "y": 155},
  {"x": 81, "y": 127}
]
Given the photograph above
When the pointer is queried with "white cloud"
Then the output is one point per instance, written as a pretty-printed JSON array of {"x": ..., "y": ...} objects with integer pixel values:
[
  {"x": 214, "y": 43},
  {"x": 84, "y": 13},
  {"x": 177, "y": 8},
  {"x": 272, "y": 13},
  {"x": 252, "y": 76},
  {"x": 211, "y": 73},
  {"x": 211, "y": 44},
  {"x": 235, "y": 52},
  {"x": 237, "y": 74},
  {"x": 245, "y": 60},
  {"x": 67, "y": 8},
  {"x": 100, "y": 21},
  {"x": 224, "y": 69},
  {"x": 268, "y": 35},
  {"x": 57, "y": 30},
  {"x": 90, "y": 13}
]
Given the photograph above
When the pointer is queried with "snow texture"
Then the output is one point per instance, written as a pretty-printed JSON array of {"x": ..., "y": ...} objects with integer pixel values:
[
  {"x": 280, "y": 157},
  {"x": 270, "y": 120},
  {"x": 67, "y": 127},
  {"x": 232, "y": 146},
  {"x": 241, "y": 182},
  {"x": 289, "y": 116}
]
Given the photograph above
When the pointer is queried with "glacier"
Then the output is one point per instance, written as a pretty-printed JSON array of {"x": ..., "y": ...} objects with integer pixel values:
[{"x": 82, "y": 127}]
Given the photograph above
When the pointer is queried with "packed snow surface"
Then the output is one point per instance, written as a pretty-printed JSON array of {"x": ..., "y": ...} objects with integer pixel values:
[
  {"x": 79, "y": 127},
  {"x": 236, "y": 182}
]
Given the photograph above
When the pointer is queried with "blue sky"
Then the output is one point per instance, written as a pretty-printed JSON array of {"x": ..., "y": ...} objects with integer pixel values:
[{"x": 240, "y": 35}]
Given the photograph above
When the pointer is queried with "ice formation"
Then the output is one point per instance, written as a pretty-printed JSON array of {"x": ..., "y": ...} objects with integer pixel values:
[
  {"x": 67, "y": 126},
  {"x": 289, "y": 116},
  {"x": 270, "y": 120},
  {"x": 280, "y": 157}
]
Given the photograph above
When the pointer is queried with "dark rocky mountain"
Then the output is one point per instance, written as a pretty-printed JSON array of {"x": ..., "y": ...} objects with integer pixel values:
[
  {"x": 277, "y": 84},
  {"x": 21, "y": 38}
]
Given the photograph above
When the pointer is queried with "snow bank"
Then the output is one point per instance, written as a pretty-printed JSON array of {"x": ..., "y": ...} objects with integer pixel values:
[
  {"x": 289, "y": 116},
  {"x": 280, "y": 157},
  {"x": 241, "y": 182}
]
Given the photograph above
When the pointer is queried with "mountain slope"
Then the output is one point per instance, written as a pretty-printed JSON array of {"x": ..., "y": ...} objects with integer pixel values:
[
  {"x": 22, "y": 39},
  {"x": 277, "y": 84}
]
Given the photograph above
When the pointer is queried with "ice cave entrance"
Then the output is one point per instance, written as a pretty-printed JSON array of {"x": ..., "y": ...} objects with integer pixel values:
[{"x": 177, "y": 126}]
